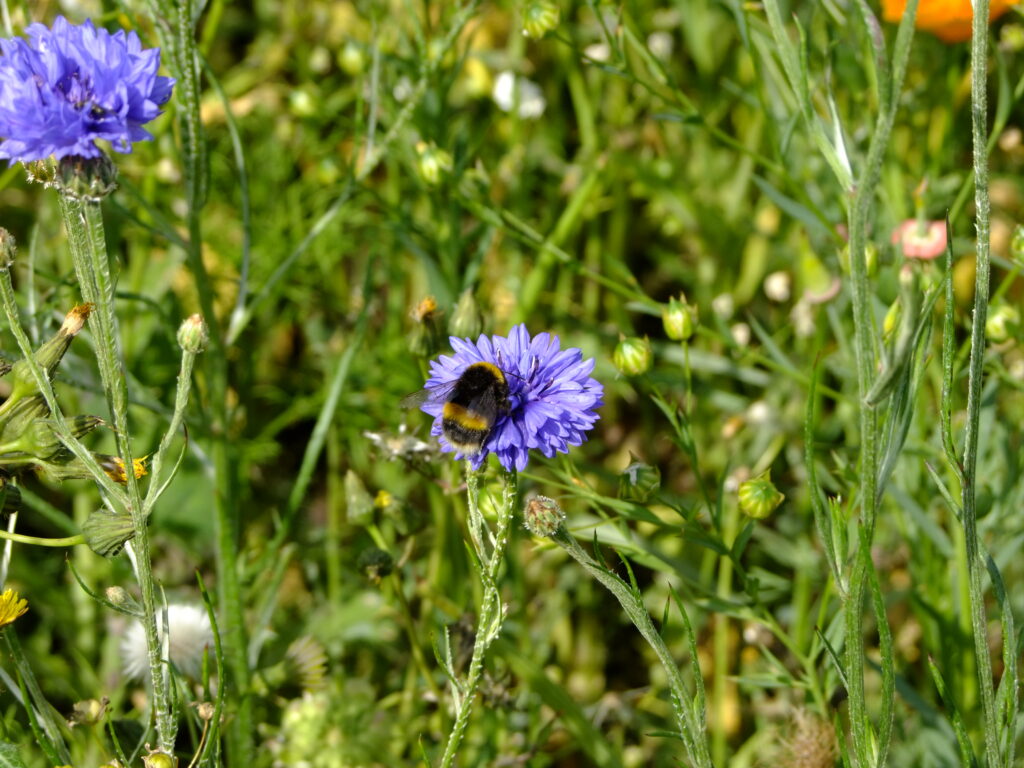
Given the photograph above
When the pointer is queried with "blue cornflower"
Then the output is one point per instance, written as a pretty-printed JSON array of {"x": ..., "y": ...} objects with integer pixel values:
[
  {"x": 552, "y": 398},
  {"x": 65, "y": 87}
]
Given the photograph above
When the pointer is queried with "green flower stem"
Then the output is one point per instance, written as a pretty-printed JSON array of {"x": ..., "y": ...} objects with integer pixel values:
[
  {"x": 979, "y": 116},
  {"x": 690, "y": 721},
  {"x": 84, "y": 223},
  {"x": 181, "y": 395},
  {"x": 67, "y": 541},
  {"x": 492, "y": 613}
]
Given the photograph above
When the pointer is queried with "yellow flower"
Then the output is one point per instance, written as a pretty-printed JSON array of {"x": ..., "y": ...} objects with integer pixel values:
[
  {"x": 114, "y": 467},
  {"x": 949, "y": 20},
  {"x": 11, "y": 607}
]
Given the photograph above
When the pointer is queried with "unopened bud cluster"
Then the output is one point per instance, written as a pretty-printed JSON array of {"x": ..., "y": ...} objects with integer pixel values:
[
  {"x": 193, "y": 335},
  {"x": 542, "y": 516}
]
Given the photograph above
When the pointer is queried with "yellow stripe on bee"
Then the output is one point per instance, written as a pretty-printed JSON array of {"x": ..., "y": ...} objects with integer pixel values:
[
  {"x": 490, "y": 367},
  {"x": 465, "y": 418}
]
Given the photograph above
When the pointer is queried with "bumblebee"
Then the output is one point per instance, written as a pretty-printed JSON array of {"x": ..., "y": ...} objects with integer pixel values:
[{"x": 472, "y": 405}]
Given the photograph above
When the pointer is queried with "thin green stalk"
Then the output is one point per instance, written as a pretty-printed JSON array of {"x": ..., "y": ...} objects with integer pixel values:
[
  {"x": 84, "y": 223},
  {"x": 67, "y": 541},
  {"x": 690, "y": 722},
  {"x": 720, "y": 643},
  {"x": 181, "y": 396},
  {"x": 492, "y": 614},
  {"x": 863, "y": 188},
  {"x": 979, "y": 116}
]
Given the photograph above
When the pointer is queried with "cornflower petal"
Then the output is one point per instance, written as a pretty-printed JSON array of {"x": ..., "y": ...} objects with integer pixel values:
[{"x": 66, "y": 86}]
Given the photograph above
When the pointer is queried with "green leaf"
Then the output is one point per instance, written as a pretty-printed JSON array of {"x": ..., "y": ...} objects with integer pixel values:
[{"x": 10, "y": 755}]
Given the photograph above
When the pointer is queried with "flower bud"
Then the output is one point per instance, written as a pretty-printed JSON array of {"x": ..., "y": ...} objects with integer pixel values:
[
  {"x": 892, "y": 317},
  {"x": 633, "y": 356},
  {"x": 49, "y": 355},
  {"x": 539, "y": 18},
  {"x": 39, "y": 439},
  {"x": 351, "y": 58},
  {"x": 542, "y": 516},
  {"x": 425, "y": 336},
  {"x": 8, "y": 247},
  {"x": 117, "y": 595},
  {"x": 433, "y": 164},
  {"x": 1002, "y": 323},
  {"x": 639, "y": 481},
  {"x": 466, "y": 321},
  {"x": 375, "y": 563},
  {"x": 106, "y": 532},
  {"x": 870, "y": 258},
  {"x": 193, "y": 335},
  {"x": 679, "y": 319},
  {"x": 89, "y": 179},
  {"x": 1017, "y": 244},
  {"x": 759, "y": 497},
  {"x": 159, "y": 760}
]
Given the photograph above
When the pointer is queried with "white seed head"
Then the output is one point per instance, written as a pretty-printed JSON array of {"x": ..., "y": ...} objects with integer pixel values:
[{"x": 190, "y": 636}]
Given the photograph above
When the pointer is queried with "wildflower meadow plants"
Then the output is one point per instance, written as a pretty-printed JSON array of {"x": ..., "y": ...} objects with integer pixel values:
[{"x": 712, "y": 314}]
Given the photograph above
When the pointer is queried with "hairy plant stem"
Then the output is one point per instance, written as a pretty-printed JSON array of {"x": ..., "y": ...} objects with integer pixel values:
[
  {"x": 492, "y": 614},
  {"x": 979, "y": 624},
  {"x": 84, "y": 223},
  {"x": 865, "y": 348},
  {"x": 689, "y": 720}
]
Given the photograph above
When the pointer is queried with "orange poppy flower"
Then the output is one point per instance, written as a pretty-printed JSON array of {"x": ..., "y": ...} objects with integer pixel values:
[{"x": 949, "y": 20}]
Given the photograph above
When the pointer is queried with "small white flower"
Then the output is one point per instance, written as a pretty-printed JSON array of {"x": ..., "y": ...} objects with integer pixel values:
[
  {"x": 723, "y": 305},
  {"x": 741, "y": 334},
  {"x": 802, "y": 317},
  {"x": 531, "y": 98},
  {"x": 402, "y": 90},
  {"x": 190, "y": 635},
  {"x": 598, "y": 52},
  {"x": 760, "y": 414},
  {"x": 661, "y": 45},
  {"x": 778, "y": 286}
]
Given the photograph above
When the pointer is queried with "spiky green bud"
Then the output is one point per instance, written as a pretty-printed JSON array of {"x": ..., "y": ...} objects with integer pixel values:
[
  {"x": 193, "y": 335},
  {"x": 543, "y": 516}
]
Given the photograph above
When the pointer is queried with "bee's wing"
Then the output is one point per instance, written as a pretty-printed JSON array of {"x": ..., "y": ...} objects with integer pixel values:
[{"x": 438, "y": 394}]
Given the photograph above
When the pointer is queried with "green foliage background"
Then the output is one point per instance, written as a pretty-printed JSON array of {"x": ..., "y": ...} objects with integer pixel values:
[{"x": 679, "y": 163}]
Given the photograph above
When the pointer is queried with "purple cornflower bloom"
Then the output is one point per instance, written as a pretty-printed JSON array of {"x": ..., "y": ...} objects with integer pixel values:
[
  {"x": 552, "y": 397},
  {"x": 66, "y": 86}
]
